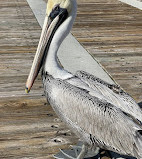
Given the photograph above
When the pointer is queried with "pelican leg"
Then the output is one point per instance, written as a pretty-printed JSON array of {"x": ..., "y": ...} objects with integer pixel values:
[
  {"x": 76, "y": 149},
  {"x": 83, "y": 152}
]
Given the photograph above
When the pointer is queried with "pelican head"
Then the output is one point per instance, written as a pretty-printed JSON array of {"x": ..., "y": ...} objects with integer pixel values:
[{"x": 57, "y": 12}]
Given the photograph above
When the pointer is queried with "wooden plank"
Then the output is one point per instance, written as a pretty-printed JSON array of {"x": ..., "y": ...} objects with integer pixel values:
[
  {"x": 111, "y": 31},
  {"x": 29, "y": 127}
]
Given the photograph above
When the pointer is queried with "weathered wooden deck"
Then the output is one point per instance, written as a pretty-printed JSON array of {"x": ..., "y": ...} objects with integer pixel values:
[
  {"x": 109, "y": 30},
  {"x": 28, "y": 126}
]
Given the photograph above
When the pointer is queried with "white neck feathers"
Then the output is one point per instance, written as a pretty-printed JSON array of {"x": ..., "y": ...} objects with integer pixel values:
[{"x": 51, "y": 63}]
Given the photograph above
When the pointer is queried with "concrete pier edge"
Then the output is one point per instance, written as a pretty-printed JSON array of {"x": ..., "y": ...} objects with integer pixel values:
[{"x": 134, "y": 3}]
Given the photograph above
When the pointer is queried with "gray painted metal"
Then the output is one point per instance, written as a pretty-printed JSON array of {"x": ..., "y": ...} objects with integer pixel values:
[
  {"x": 134, "y": 3},
  {"x": 71, "y": 54}
]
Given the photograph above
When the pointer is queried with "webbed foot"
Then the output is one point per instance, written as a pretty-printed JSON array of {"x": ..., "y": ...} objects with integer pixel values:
[{"x": 79, "y": 151}]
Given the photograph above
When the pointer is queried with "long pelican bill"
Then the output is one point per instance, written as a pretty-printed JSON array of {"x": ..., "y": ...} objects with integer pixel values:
[{"x": 51, "y": 24}]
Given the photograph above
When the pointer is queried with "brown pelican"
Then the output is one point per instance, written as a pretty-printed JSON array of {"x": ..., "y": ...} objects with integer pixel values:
[{"x": 101, "y": 114}]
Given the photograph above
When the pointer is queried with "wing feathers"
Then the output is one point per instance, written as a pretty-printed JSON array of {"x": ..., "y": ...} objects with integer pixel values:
[
  {"x": 107, "y": 124},
  {"x": 113, "y": 93}
]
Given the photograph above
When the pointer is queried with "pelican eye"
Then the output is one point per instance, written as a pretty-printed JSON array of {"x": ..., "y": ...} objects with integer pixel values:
[
  {"x": 57, "y": 7},
  {"x": 55, "y": 11}
]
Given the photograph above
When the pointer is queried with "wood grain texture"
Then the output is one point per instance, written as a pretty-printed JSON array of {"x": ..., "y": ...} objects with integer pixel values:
[
  {"x": 29, "y": 127},
  {"x": 111, "y": 31}
]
